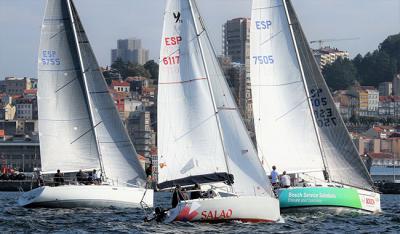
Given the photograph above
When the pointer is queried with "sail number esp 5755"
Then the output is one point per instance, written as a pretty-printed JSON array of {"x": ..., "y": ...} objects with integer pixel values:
[{"x": 50, "y": 57}]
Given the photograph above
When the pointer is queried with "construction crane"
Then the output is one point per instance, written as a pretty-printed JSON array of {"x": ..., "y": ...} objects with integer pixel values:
[{"x": 320, "y": 42}]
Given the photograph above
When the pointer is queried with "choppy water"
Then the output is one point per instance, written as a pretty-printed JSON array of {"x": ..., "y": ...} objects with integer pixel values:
[{"x": 17, "y": 219}]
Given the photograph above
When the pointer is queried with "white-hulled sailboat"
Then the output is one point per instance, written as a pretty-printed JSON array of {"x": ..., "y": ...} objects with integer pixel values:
[
  {"x": 201, "y": 136},
  {"x": 79, "y": 126},
  {"x": 298, "y": 128}
]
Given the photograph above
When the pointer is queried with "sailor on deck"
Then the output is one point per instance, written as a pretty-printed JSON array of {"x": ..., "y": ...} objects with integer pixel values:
[
  {"x": 274, "y": 177},
  {"x": 285, "y": 180}
]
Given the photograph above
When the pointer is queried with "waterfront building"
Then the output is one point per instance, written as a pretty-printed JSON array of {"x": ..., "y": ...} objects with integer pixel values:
[
  {"x": 20, "y": 154},
  {"x": 9, "y": 111},
  {"x": 139, "y": 129},
  {"x": 130, "y": 50},
  {"x": 236, "y": 40},
  {"x": 16, "y": 86},
  {"x": 385, "y": 89},
  {"x": 137, "y": 83},
  {"x": 120, "y": 86},
  {"x": 368, "y": 100},
  {"x": 346, "y": 103},
  {"x": 384, "y": 167},
  {"x": 328, "y": 55},
  {"x": 24, "y": 109}
]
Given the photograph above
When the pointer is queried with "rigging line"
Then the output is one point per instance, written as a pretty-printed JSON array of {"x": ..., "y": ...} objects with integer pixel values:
[
  {"x": 180, "y": 82},
  {"x": 272, "y": 37},
  {"x": 277, "y": 85},
  {"x": 63, "y": 30},
  {"x": 62, "y": 87},
  {"x": 85, "y": 133},
  {"x": 295, "y": 107},
  {"x": 61, "y": 120}
]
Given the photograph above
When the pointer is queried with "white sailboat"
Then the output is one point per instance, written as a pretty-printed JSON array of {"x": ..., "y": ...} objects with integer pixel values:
[
  {"x": 201, "y": 136},
  {"x": 298, "y": 128},
  {"x": 79, "y": 126}
]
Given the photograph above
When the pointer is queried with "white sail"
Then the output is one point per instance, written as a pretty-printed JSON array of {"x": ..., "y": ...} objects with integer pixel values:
[
  {"x": 283, "y": 122},
  {"x": 343, "y": 162},
  {"x": 288, "y": 87},
  {"x": 67, "y": 141},
  {"x": 189, "y": 142},
  {"x": 116, "y": 151},
  {"x": 79, "y": 125},
  {"x": 197, "y": 112}
]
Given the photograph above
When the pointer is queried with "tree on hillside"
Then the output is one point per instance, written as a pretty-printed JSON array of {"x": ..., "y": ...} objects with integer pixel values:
[
  {"x": 392, "y": 47},
  {"x": 152, "y": 68},
  {"x": 340, "y": 74},
  {"x": 129, "y": 69}
]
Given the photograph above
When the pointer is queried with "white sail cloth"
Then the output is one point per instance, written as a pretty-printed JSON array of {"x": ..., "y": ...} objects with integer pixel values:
[
  {"x": 189, "y": 142},
  {"x": 66, "y": 140},
  {"x": 297, "y": 125},
  {"x": 283, "y": 122},
  {"x": 109, "y": 138},
  {"x": 343, "y": 161},
  {"x": 200, "y": 129}
]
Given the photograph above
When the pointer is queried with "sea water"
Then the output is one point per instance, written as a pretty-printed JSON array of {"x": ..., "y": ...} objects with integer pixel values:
[{"x": 18, "y": 219}]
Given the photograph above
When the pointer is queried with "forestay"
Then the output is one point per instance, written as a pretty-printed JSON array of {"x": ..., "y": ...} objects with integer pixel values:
[
  {"x": 118, "y": 156},
  {"x": 342, "y": 158},
  {"x": 285, "y": 131},
  {"x": 67, "y": 141}
]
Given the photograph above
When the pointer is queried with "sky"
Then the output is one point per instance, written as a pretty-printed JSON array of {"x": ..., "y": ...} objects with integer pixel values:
[{"x": 106, "y": 21}]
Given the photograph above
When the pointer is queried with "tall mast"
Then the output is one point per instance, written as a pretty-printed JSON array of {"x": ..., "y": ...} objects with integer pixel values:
[
  {"x": 86, "y": 91},
  {"x": 209, "y": 83},
  {"x": 306, "y": 88}
]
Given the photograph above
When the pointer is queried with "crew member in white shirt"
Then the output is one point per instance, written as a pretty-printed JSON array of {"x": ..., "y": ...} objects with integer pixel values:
[{"x": 285, "y": 180}]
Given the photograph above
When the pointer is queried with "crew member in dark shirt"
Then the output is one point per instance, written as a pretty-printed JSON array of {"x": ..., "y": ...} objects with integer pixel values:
[
  {"x": 177, "y": 196},
  {"x": 197, "y": 193},
  {"x": 58, "y": 178}
]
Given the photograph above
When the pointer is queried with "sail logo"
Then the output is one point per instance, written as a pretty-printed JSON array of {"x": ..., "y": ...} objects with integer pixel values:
[
  {"x": 188, "y": 213},
  {"x": 263, "y": 25},
  {"x": 177, "y": 17},
  {"x": 216, "y": 215}
]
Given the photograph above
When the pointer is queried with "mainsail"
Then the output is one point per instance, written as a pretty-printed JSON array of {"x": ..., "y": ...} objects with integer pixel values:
[
  {"x": 290, "y": 86},
  {"x": 114, "y": 152},
  {"x": 200, "y": 130}
]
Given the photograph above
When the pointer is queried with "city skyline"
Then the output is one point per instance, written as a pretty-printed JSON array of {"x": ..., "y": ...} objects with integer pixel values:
[{"x": 111, "y": 21}]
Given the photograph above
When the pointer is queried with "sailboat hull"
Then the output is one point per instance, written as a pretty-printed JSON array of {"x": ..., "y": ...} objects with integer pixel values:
[
  {"x": 318, "y": 197},
  {"x": 222, "y": 209},
  {"x": 93, "y": 196}
]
